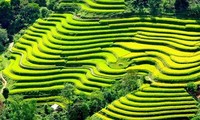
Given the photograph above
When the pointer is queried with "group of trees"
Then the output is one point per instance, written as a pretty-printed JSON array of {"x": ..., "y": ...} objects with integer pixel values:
[
  {"x": 16, "y": 15},
  {"x": 79, "y": 107},
  {"x": 185, "y": 8},
  {"x": 17, "y": 109},
  {"x": 19, "y": 14}
]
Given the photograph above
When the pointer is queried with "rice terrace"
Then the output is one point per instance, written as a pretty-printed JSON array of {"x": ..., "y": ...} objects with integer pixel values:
[{"x": 100, "y": 59}]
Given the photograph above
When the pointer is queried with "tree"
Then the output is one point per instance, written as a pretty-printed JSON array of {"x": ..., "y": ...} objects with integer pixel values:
[
  {"x": 27, "y": 15},
  {"x": 5, "y": 14},
  {"x": 81, "y": 106},
  {"x": 5, "y": 93},
  {"x": 68, "y": 92},
  {"x": 15, "y": 3},
  {"x": 18, "y": 109},
  {"x": 168, "y": 6},
  {"x": 194, "y": 10},
  {"x": 52, "y": 4},
  {"x": 141, "y": 6},
  {"x": 47, "y": 109},
  {"x": 155, "y": 8},
  {"x": 3, "y": 36},
  {"x": 181, "y": 6},
  {"x": 96, "y": 101},
  {"x": 109, "y": 94},
  {"x": 79, "y": 111},
  {"x": 30, "y": 13}
]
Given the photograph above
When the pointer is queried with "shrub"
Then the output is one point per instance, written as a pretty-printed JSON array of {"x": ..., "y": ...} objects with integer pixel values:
[
  {"x": 192, "y": 87},
  {"x": 44, "y": 12}
]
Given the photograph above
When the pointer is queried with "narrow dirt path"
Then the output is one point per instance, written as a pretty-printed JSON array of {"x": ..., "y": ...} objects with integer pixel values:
[
  {"x": 198, "y": 94},
  {"x": 4, "y": 82},
  {"x": 10, "y": 46}
]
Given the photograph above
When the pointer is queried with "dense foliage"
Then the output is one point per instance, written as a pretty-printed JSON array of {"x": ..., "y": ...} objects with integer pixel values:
[
  {"x": 183, "y": 8},
  {"x": 79, "y": 107},
  {"x": 82, "y": 106},
  {"x": 192, "y": 87},
  {"x": 3, "y": 38},
  {"x": 19, "y": 14},
  {"x": 17, "y": 109}
]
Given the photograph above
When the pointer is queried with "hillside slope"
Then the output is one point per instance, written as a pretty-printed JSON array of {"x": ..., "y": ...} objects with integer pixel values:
[{"x": 95, "y": 53}]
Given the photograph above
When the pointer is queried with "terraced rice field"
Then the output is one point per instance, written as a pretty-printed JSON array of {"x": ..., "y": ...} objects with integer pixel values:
[
  {"x": 151, "y": 103},
  {"x": 96, "y": 6},
  {"x": 95, "y": 53}
]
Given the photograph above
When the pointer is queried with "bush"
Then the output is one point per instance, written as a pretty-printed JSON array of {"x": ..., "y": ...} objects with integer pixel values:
[
  {"x": 44, "y": 12},
  {"x": 192, "y": 87}
]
